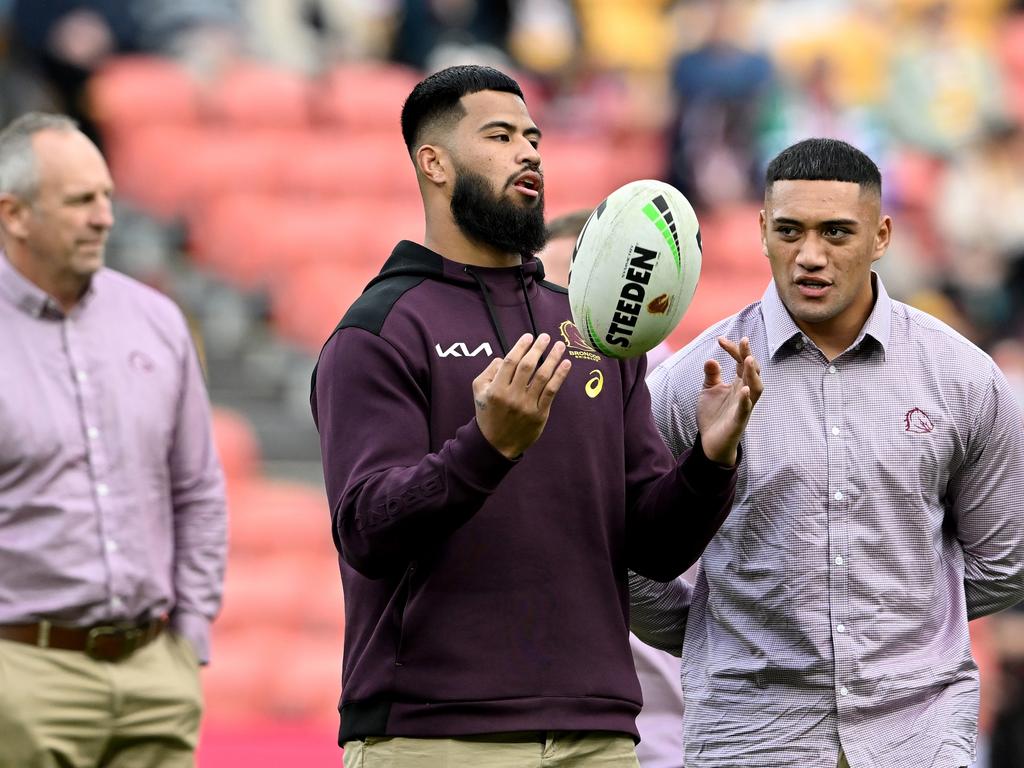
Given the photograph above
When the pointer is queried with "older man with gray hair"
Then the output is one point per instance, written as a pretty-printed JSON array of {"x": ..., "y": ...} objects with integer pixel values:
[{"x": 112, "y": 513}]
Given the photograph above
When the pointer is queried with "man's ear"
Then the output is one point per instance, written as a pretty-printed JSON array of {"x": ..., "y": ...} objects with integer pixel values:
[
  {"x": 433, "y": 163},
  {"x": 14, "y": 216}
]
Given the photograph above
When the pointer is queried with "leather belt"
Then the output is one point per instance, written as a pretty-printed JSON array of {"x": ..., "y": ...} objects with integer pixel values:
[{"x": 103, "y": 642}]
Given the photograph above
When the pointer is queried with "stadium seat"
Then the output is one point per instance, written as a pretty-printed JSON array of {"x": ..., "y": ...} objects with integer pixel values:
[
  {"x": 238, "y": 683},
  {"x": 578, "y": 171},
  {"x": 237, "y": 445},
  {"x": 255, "y": 240},
  {"x": 365, "y": 97},
  {"x": 307, "y": 305},
  {"x": 347, "y": 163},
  {"x": 275, "y": 516},
  {"x": 132, "y": 91},
  {"x": 171, "y": 171},
  {"x": 251, "y": 95},
  {"x": 731, "y": 241},
  {"x": 717, "y": 297}
]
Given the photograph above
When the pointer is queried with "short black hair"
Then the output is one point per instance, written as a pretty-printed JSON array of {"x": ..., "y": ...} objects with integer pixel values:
[
  {"x": 436, "y": 98},
  {"x": 824, "y": 160}
]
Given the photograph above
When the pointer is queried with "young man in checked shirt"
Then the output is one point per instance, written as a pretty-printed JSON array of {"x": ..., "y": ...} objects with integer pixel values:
[{"x": 878, "y": 508}]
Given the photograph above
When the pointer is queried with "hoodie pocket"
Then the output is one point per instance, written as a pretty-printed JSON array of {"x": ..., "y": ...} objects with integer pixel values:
[{"x": 402, "y": 596}]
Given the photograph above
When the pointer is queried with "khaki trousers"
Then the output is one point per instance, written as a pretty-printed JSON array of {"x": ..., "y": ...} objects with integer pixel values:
[
  {"x": 554, "y": 749},
  {"x": 62, "y": 709}
]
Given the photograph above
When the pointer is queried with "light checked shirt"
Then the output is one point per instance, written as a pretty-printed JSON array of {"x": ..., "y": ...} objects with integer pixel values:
[
  {"x": 111, "y": 494},
  {"x": 879, "y": 508}
]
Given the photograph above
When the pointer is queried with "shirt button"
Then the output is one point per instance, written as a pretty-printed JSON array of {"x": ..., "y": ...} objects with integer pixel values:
[
  {"x": 832, "y": 369},
  {"x": 840, "y": 628},
  {"x": 81, "y": 375},
  {"x": 843, "y": 691},
  {"x": 838, "y": 496},
  {"x": 839, "y": 559},
  {"x": 835, "y": 430},
  {"x": 111, "y": 545},
  {"x": 117, "y": 604},
  {"x": 102, "y": 489},
  {"x": 92, "y": 432}
]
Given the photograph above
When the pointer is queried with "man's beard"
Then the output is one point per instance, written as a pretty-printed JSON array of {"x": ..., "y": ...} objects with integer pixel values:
[{"x": 494, "y": 220}]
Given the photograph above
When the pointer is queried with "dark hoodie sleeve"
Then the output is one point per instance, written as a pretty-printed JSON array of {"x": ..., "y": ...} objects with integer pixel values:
[
  {"x": 674, "y": 508},
  {"x": 390, "y": 497}
]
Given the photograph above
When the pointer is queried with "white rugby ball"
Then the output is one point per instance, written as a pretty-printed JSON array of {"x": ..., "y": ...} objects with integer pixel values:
[{"x": 635, "y": 268}]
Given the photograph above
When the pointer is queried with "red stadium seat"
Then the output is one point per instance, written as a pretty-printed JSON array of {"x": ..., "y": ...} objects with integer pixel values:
[
  {"x": 133, "y": 91},
  {"x": 256, "y": 240},
  {"x": 275, "y": 516},
  {"x": 353, "y": 164},
  {"x": 237, "y": 445},
  {"x": 731, "y": 241},
  {"x": 171, "y": 171},
  {"x": 366, "y": 97},
  {"x": 251, "y": 95},
  {"x": 307, "y": 305},
  {"x": 717, "y": 297},
  {"x": 578, "y": 171}
]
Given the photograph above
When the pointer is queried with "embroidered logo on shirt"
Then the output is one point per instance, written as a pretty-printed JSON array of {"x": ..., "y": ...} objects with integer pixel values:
[
  {"x": 917, "y": 421},
  {"x": 575, "y": 344},
  {"x": 140, "y": 361},
  {"x": 595, "y": 383}
]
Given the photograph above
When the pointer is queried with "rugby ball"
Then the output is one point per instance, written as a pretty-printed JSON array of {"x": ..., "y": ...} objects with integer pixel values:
[{"x": 634, "y": 268}]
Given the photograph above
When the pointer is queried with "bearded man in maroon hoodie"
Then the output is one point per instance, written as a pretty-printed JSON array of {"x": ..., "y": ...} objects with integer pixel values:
[{"x": 491, "y": 478}]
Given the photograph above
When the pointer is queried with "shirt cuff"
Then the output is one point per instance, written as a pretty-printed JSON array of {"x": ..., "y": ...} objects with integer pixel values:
[
  {"x": 704, "y": 474},
  {"x": 195, "y": 629},
  {"x": 478, "y": 463}
]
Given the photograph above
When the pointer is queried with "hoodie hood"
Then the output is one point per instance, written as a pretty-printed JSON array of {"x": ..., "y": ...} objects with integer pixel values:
[{"x": 499, "y": 286}]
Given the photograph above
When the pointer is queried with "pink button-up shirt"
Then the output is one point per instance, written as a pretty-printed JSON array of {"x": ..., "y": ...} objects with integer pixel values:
[
  {"x": 878, "y": 509},
  {"x": 111, "y": 494}
]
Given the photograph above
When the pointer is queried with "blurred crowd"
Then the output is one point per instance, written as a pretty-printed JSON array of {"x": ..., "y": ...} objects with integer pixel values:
[{"x": 699, "y": 92}]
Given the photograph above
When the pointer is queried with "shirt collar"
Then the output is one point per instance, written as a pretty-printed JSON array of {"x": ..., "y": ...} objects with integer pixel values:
[
  {"x": 29, "y": 297},
  {"x": 780, "y": 327}
]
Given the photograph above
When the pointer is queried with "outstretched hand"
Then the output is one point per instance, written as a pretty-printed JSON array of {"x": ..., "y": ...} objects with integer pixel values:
[
  {"x": 513, "y": 395},
  {"x": 724, "y": 409}
]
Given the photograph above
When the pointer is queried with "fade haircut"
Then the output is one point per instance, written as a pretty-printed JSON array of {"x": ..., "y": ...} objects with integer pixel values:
[
  {"x": 435, "y": 100},
  {"x": 19, "y": 172},
  {"x": 824, "y": 160}
]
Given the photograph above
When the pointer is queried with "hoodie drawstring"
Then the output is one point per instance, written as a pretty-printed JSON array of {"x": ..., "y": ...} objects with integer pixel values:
[{"x": 485, "y": 291}]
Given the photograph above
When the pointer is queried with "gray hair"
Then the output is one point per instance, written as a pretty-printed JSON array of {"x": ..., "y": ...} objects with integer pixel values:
[{"x": 19, "y": 174}]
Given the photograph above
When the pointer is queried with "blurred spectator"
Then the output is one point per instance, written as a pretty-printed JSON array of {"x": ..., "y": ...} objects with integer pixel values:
[
  {"x": 544, "y": 36},
  {"x": 720, "y": 90},
  {"x": 432, "y": 34},
  {"x": 202, "y": 34},
  {"x": 977, "y": 212},
  {"x": 809, "y": 104},
  {"x": 63, "y": 42},
  {"x": 310, "y": 35},
  {"x": 944, "y": 87}
]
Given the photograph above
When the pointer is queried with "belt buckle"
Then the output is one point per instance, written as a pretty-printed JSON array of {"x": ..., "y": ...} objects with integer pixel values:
[{"x": 130, "y": 643}]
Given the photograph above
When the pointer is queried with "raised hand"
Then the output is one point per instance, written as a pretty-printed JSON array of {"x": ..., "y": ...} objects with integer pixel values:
[
  {"x": 724, "y": 409},
  {"x": 513, "y": 395}
]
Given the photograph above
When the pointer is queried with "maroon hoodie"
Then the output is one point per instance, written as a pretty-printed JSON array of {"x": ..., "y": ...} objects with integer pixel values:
[{"x": 484, "y": 595}]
